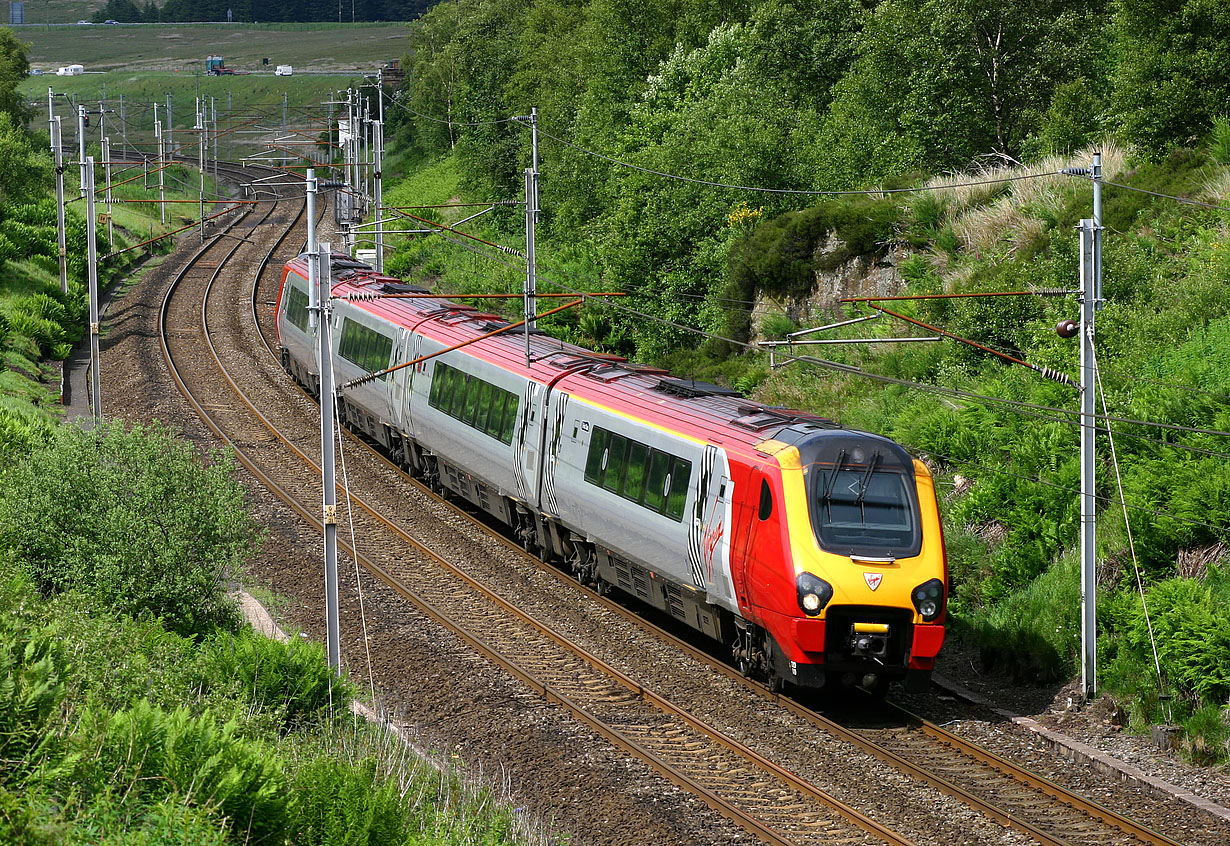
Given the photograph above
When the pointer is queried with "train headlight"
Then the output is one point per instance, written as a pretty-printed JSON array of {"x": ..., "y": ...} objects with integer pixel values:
[
  {"x": 814, "y": 593},
  {"x": 929, "y": 599}
]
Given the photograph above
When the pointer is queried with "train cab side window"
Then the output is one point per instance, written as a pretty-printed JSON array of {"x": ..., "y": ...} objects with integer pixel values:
[
  {"x": 766, "y": 501},
  {"x": 681, "y": 475},
  {"x": 296, "y": 308}
]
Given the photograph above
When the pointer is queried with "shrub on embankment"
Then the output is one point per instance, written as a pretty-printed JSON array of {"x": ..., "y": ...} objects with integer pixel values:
[{"x": 135, "y": 709}]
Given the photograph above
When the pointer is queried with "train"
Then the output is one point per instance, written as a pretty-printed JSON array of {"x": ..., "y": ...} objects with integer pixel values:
[{"x": 814, "y": 552}]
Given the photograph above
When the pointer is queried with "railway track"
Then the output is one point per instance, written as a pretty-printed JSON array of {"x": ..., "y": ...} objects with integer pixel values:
[{"x": 279, "y": 445}]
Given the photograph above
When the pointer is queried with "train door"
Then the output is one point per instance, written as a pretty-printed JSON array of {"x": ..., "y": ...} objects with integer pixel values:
[
  {"x": 399, "y": 380},
  {"x": 709, "y": 535},
  {"x": 749, "y": 521},
  {"x": 719, "y": 528},
  {"x": 528, "y": 443}
]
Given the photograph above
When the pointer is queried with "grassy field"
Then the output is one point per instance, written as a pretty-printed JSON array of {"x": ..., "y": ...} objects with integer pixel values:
[
  {"x": 182, "y": 48},
  {"x": 249, "y": 108}
]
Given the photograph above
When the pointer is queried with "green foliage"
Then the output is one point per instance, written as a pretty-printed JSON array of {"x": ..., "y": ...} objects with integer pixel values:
[
  {"x": 133, "y": 519},
  {"x": 1192, "y": 629},
  {"x": 146, "y": 754},
  {"x": 292, "y": 680},
  {"x": 351, "y": 803},
  {"x": 1167, "y": 86},
  {"x": 1071, "y": 121},
  {"x": 1035, "y": 634},
  {"x": 14, "y": 66},
  {"x": 1219, "y": 140},
  {"x": 32, "y": 667},
  {"x": 777, "y": 326},
  {"x": 22, "y": 431}
]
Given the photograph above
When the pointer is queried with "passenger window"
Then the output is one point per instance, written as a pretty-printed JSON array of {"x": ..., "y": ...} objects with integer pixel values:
[
  {"x": 634, "y": 478},
  {"x": 616, "y": 447},
  {"x": 681, "y": 473},
  {"x": 457, "y": 393},
  {"x": 655, "y": 485},
  {"x": 437, "y": 381},
  {"x": 474, "y": 389},
  {"x": 510, "y": 418},
  {"x": 766, "y": 501},
  {"x": 485, "y": 394}
]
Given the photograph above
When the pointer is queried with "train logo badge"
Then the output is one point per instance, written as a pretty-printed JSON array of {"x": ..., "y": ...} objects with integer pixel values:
[{"x": 873, "y": 579}]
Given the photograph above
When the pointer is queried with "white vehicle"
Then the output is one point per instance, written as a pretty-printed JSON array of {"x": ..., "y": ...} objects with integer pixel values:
[
  {"x": 283, "y": 70},
  {"x": 70, "y": 70}
]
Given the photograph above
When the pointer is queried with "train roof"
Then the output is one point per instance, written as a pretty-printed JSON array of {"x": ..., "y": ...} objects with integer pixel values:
[{"x": 688, "y": 407}]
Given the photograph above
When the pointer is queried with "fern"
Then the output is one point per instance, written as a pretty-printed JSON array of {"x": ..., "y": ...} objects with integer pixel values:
[{"x": 32, "y": 667}]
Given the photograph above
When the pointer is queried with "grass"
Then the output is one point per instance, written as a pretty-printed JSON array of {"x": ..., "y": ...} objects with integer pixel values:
[
  {"x": 182, "y": 48},
  {"x": 249, "y": 109}
]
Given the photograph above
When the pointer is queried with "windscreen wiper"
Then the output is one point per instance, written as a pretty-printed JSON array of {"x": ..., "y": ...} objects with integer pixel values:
[
  {"x": 828, "y": 485},
  {"x": 863, "y": 484}
]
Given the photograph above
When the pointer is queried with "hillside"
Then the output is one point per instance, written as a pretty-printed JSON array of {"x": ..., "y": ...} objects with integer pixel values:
[{"x": 694, "y": 155}]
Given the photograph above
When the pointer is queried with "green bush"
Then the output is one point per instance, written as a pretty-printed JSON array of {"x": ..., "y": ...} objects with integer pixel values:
[
  {"x": 32, "y": 669},
  {"x": 133, "y": 519},
  {"x": 146, "y": 754},
  {"x": 293, "y": 680},
  {"x": 22, "y": 431},
  {"x": 1219, "y": 140},
  {"x": 340, "y": 804},
  {"x": 1034, "y": 634}
]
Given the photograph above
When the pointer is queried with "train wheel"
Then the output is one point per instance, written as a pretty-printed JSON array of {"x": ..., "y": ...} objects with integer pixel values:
[{"x": 774, "y": 681}]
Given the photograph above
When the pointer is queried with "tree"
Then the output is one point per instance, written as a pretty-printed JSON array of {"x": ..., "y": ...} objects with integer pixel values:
[
  {"x": 939, "y": 83},
  {"x": 14, "y": 68},
  {"x": 1171, "y": 79},
  {"x": 131, "y": 518}
]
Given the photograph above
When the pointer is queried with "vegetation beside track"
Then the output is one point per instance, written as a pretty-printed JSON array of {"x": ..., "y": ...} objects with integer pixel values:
[{"x": 134, "y": 706}]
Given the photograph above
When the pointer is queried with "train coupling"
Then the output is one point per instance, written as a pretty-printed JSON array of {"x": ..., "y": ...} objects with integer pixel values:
[{"x": 869, "y": 640}]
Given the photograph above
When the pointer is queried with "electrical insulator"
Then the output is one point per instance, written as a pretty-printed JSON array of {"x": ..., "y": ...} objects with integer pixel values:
[{"x": 1068, "y": 328}]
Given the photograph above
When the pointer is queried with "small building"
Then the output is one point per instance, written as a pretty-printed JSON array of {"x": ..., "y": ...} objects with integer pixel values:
[{"x": 70, "y": 70}]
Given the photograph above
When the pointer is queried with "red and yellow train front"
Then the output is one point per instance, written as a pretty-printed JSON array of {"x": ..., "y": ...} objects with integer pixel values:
[{"x": 846, "y": 570}]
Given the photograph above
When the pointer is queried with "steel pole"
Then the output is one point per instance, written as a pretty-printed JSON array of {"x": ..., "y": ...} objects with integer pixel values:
[
  {"x": 200, "y": 143},
  {"x": 81, "y": 144},
  {"x": 162, "y": 184},
  {"x": 61, "y": 240},
  {"x": 378, "y": 186},
  {"x": 1088, "y": 545},
  {"x": 92, "y": 266},
  {"x": 328, "y": 479},
  {"x": 310, "y": 187},
  {"x": 107, "y": 199},
  {"x": 531, "y": 282}
]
